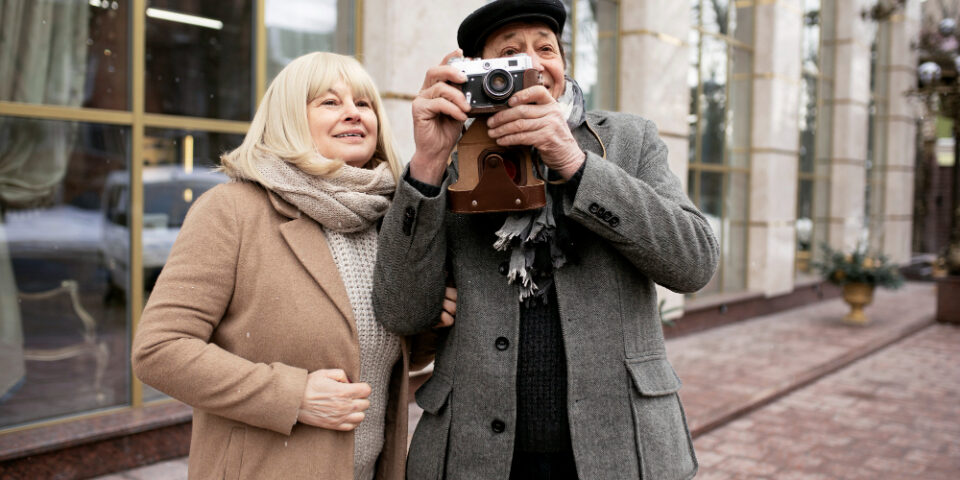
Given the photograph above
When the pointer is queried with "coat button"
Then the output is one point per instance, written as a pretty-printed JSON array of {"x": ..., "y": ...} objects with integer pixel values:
[
  {"x": 503, "y": 268},
  {"x": 409, "y": 212},
  {"x": 502, "y": 343},
  {"x": 498, "y": 426},
  {"x": 593, "y": 208},
  {"x": 614, "y": 222}
]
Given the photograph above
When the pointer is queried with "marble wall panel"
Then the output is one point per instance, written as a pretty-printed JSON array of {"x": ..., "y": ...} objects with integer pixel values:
[
  {"x": 778, "y": 34},
  {"x": 852, "y": 73},
  {"x": 654, "y": 81},
  {"x": 776, "y": 105},
  {"x": 773, "y": 188},
  {"x": 771, "y": 259},
  {"x": 670, "y": 17},
  {"x": 850, "y": 131},
  {"x": 898, "y": 191}
]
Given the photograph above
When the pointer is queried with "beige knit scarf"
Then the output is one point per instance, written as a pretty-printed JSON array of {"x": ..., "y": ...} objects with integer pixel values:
[{"x": 349, "y": 200}]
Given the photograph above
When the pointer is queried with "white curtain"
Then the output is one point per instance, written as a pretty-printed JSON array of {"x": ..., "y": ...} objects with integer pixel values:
[{"x": 43, "y": 56}]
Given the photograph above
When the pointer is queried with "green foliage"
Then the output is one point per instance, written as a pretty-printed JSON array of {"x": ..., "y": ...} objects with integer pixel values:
[{"x": 858, "y": 267}]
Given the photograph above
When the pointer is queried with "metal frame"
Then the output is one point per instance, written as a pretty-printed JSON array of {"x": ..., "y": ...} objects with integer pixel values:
[{"x": 138, "y": 120}]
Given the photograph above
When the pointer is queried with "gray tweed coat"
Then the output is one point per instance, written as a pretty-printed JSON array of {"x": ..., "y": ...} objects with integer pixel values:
[{"x": 626, "y": 420}]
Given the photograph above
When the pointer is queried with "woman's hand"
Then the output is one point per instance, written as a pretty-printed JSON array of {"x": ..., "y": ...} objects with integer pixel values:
[
  {"x": 449, "y": 312},
  {"x": 331, "y": 401},
  {"x": 535, "y": 119},
  {"x": 438, "y": 115}
]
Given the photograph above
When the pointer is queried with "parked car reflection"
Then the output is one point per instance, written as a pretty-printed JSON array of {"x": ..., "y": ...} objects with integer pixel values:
[{"x": 168, "y": 192}]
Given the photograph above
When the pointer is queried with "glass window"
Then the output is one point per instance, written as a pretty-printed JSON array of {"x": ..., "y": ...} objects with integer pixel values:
[
  {"x": 63, "y": 327},
  {"x": 810, "y": 128},
  {"x": 198, "y": 58},
  {"x": 297, "y": 27},
  {"x": 178, "y": 168},
  {"x": 590, "y": 45},
  {"x": 596, "y": 52},
  {"x": 720, "y": 80},
  {"x": 65, "y": 53}
]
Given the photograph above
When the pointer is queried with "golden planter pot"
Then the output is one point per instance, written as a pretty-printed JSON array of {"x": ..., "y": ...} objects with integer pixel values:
[{"x": 858, "y": 296}]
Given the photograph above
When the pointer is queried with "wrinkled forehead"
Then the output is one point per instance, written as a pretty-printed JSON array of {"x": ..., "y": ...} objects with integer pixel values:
[{"x": 514, "y": 30}]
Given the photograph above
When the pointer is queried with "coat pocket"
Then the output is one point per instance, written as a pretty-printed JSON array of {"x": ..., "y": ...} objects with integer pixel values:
[
  {"x": 428, "y": 448},
  {"x": 234, "y": 454},
  {"x": 664, "y": 445}
]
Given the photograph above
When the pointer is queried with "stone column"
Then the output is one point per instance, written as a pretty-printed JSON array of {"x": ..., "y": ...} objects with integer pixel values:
[
  {"x": 401, "y": 40},
  {"x": 654, "y": 62},
  {"x": 774, "y": 145},
  {"x": 847, "y": 44},
  {"x": 895, "y": 133}
]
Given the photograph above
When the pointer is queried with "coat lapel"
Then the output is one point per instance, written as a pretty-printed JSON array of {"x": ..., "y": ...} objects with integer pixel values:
[{"x": 308, "y": 243}]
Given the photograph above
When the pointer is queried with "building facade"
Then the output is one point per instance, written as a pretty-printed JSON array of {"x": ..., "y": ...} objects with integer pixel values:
[{"x": 788, "y": 122}]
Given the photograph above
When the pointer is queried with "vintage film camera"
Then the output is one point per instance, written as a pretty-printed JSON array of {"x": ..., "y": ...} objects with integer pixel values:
[{"x": 494, "y": 178}]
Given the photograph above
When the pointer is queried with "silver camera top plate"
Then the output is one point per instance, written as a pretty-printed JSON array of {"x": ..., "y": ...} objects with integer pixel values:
[{"x": 518, "y": 62}]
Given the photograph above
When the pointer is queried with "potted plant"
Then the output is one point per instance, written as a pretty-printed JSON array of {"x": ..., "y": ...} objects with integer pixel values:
[{"x": 858, "y": 273}]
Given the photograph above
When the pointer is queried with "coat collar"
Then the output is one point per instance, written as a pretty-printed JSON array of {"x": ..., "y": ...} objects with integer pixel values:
[{"x": 306, "y": 239}]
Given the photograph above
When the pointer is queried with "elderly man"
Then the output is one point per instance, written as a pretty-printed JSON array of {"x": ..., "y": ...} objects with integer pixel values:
[{"x": 555, "y": 367}]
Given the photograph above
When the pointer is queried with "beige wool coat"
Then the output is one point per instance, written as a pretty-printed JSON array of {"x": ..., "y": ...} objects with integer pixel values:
[{"x": 249, "y": 302}]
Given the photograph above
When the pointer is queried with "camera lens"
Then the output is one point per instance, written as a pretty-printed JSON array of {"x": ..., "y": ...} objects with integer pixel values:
[{"x": 498, "y": 84}]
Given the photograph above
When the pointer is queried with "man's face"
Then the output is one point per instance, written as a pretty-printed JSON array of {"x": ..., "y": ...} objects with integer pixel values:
[{"x": 537, "y": 41}]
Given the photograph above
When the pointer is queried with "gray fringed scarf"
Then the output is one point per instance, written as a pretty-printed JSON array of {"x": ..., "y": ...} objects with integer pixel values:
[
  {"x": 349, "y": 200},
  {"x": 523, "y": 232}
]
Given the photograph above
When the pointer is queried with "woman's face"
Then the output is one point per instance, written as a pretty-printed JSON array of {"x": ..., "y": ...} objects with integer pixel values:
[{"x": 343, "y": 127}]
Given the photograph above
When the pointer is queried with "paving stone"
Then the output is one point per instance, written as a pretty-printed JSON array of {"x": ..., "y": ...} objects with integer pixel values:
[{"x": 920, "y": 439}]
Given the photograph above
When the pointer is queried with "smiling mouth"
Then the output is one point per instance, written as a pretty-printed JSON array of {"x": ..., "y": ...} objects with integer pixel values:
[{"x": 346, "y": 135}]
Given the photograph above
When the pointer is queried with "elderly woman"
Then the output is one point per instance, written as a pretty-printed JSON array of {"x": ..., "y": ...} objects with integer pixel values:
[{"x": 262, "y": 318}]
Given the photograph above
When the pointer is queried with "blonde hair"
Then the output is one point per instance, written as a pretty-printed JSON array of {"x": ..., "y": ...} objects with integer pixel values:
[{"x": 280, "y": 125}]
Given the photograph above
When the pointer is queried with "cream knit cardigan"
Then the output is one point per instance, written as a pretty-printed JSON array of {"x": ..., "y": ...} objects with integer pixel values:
[{"x": 355, "y": 254}]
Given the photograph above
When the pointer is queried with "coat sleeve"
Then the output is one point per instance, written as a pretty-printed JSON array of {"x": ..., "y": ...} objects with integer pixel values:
[
  {"x": 637, "y": 205},
  {"x": 172, "y": 350},
  {"x": 409, "y": 280}
]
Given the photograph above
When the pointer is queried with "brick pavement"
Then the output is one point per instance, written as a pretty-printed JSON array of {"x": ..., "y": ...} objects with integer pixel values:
[
  {"x": 733, "y": 370},
  {"x": 892, "y": 415}
]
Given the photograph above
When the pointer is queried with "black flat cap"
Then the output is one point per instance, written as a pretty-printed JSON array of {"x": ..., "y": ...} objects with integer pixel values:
[{"x": 475, "y": 29}]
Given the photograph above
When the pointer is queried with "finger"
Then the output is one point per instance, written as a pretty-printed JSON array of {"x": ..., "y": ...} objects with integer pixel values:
[
  {"x": 519, "y": 112},
  {"x": 449, "y": 306},
  {"x": 335, "y": 374},
  {"x": 446, "y": 320},
  {"x": 450, "y": 92},
  {"x": 443, "y": 74},
  {"x": 438, "y": 106},
  {"x": 361, "y": 405},
  {"x": 522, "y": 138},
  {"x": 519, "y": 126},
  {"x": 358, "y": 390},
  {"x": 350, "y": 422},
  {"x": 454, "y": 54},
  {"x": 450, "y": 293},
  {"x": 537, "y": 94}
]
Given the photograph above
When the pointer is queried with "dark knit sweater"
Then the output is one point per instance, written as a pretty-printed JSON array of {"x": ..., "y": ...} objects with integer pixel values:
[{"x": 542, "y": 424}]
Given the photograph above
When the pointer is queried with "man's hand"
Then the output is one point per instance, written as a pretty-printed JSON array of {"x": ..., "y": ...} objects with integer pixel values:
[
  {"x": 331, "y": 401},
  {"x": 438, "y": 115},
  {"x": 536, "y": 119}
]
